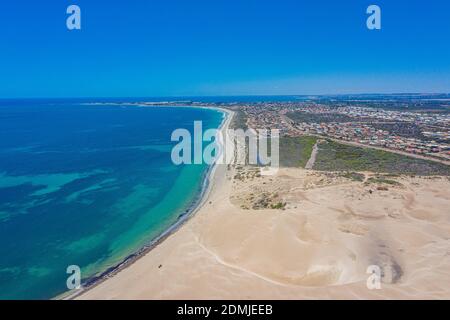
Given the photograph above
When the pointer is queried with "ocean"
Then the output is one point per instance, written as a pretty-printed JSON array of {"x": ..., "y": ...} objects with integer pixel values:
[{"x": 86, "y": 185}]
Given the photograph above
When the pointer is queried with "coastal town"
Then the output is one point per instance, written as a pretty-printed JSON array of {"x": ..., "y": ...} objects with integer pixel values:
[
  {"x": 419, "y": 127},
  {"x": 420, "y": 133}
]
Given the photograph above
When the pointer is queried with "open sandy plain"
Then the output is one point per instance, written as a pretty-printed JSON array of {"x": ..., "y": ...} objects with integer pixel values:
[{"x": 300, "y": 234}]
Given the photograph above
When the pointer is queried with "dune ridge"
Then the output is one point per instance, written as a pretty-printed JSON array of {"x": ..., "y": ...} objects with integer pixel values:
[{"x": 318, "y": 246}]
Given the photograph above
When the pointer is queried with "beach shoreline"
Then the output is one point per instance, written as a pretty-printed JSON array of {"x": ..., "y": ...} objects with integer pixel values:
[
  {"x": 318, "y": 247},
  {"x": 239, "y": 245},
  {"x": 197, "y": 203}
]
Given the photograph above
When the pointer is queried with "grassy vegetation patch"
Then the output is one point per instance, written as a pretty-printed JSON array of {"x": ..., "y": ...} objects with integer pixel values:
[
  {"x": 279, "y": 205},
  {"x": 333, "y": 156},
  {"x": 239, "y": 120},
  {"x": 383, "y": 180},
  {"x": 296, "y": 151},
  {"x": 355, "y": 176}
]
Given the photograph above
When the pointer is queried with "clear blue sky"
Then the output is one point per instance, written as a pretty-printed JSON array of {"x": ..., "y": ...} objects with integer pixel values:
[{"x": 222, "y": 47}]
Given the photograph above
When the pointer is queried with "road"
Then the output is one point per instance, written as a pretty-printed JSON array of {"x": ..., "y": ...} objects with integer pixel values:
[
  {"x": 312, "y": 159},
  {"x": 356, "y": 144}
]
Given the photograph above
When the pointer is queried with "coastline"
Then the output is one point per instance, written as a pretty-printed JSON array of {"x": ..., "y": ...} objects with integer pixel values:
[
  {"x": 318, "y": 246},
  {"x": 193, "y": 208}
]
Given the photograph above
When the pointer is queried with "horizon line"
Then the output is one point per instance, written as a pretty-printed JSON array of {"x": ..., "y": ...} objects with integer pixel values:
[{"x": 229, "y": 96}]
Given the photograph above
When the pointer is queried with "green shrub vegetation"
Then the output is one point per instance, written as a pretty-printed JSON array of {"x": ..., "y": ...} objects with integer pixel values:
[
  {"x": 383, "y": 180},
  {"x": 353, "y": 176},
  {"x": 334, "y": 156},
  {"x": 239, "y": 120},
  {"x": 296, "y": 151}
]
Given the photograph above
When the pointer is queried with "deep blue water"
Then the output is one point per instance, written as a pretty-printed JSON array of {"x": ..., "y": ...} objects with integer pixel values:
[{"x": 86, "y": 185}]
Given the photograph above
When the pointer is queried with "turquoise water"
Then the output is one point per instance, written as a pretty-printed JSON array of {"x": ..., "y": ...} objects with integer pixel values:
[{"x": 86, "y": 185}]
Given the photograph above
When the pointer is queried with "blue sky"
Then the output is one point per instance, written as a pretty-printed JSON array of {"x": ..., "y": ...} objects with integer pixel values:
[{"x": 222, "y": 47}]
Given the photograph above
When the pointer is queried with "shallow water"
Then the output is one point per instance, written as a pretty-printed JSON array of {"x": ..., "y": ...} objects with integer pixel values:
[{"x": 86, "y": 185}]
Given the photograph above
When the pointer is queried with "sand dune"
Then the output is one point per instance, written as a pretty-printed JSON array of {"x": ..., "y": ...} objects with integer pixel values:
[{"x": 318, "y": 247}]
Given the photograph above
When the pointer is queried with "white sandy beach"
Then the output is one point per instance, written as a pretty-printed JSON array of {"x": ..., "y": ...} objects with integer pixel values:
[{"x": 319, "y": 247}]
